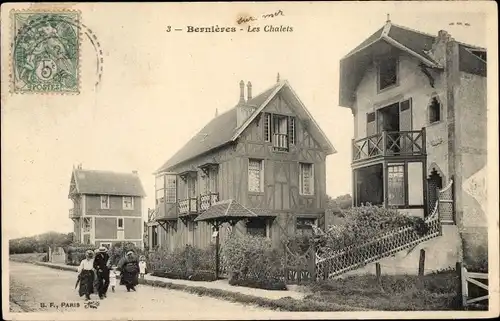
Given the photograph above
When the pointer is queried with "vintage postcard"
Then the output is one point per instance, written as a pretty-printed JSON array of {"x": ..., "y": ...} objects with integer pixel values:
[{"x": 273, "y": 160}]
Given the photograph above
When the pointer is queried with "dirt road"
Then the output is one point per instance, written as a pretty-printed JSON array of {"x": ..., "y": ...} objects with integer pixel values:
[{"x": 39, "y": 289}]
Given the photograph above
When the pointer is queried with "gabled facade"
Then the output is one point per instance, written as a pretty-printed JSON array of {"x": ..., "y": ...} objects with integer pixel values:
[
  {"x": 107, "y": 207},
  {"x": 267, "y": 153},
  {"x": 419, "y": 106}
]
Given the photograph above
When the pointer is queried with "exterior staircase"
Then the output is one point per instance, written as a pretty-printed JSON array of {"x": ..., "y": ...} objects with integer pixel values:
[{"x": 386, "y": 245}]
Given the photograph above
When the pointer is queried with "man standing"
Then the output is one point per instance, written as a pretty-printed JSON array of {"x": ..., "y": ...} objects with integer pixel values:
[{"x": 102, "y": 269}]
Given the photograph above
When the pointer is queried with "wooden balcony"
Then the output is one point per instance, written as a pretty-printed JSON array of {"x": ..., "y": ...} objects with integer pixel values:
[
  {"x": 406, "y": 144},
  {"x": 74, "y": 213},
  {"x": 280, "y": 142},
  {"x": 188, "y": 206},
  {"x": 208, "y": 200}
]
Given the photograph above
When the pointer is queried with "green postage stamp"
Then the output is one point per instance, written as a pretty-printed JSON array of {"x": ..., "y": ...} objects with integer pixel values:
[{"x": 45, "y": 51}]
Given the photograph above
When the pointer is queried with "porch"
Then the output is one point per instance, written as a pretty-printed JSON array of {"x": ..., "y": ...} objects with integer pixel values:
[{"x": 398, "y": 184}]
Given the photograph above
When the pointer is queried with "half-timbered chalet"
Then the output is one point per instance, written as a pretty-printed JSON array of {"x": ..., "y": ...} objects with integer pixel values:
[{"x": 267, "y": 153}]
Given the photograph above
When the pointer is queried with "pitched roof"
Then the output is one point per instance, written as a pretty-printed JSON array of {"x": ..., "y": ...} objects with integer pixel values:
[
  {"x": 223, "y": 130},
  {"x": 413, "y": 42},
  {"x": 98, "y": 182},
  {"x": 226, "y": 211}
]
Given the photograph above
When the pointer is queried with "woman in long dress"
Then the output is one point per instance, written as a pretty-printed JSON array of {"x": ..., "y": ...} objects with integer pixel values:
[
  {"x": 129, "y": 268},
  {"x": 86, "y": 275}
]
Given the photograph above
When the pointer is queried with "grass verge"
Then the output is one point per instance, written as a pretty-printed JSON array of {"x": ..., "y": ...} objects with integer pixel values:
[{"x": 433, "y": 292}]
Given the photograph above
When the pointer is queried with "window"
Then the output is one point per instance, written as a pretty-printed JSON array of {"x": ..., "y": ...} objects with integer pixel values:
[
  {"x": 154, "y": 236},
  {"x": 119, "y": 223},
  {"x": 395, "y": 184},
  {"x": 257, "y": 227},
  {"x": 213, "y": 180},
  {"x": 128, "y": 203},
  {"x": 106, "y": 245},
  {"x": 434, "y": 111},
  {"x": 306, "y": 179},
  {"x": 279, "y": 129},
  {"x": 267, "y": 127},
  {"x": 255, "y": 175},
  {"x": 387, "y": 73},
  {"x": 105, "y": 202},
  {"x": 171, "y": 189},
  {"x": 303, "y": 226},
  {"x": 210, "y": 180},
  {"x": 191, "y": 186}
]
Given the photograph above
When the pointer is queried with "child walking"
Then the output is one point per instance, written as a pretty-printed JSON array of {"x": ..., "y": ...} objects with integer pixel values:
[
  {"x": 113, "y": 275},
  {"x": 142, "y": 266}
]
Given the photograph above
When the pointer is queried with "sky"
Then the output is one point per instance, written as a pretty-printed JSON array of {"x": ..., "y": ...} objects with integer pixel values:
[{"x": 158, "y": 89}]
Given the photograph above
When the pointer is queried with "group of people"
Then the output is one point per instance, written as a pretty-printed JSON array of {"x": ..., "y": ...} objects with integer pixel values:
[{"x": 96, "y": 269}]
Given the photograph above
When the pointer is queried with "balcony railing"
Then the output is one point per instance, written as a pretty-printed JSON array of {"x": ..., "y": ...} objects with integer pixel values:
[
  {"x": 389, "y": 143},
  {"x": 73, "y": 213},
  {"x": 188, "y": 206},
  {"x": 280, "y": 142},
  {"x": 208, "y": 200}
]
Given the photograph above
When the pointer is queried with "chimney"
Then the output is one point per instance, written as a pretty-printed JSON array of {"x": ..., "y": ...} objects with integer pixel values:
[
  {"x": 249, "y": 91},
  {"x": 278, "y": 77},
  {"x": 216, "y": 112},
  {"x": 244, "y": 111},
  {"x": 134, "y": 172},
  {"x": 242, "y": 92}
]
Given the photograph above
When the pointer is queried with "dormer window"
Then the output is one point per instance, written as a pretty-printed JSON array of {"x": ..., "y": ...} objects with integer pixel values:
[
  {"x": 280, "y": 130},
  {"x": 387, "y": 73}
]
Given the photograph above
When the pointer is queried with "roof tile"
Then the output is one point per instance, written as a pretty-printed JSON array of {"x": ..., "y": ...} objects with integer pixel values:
[
  {"x": 108, "y": 183},
  {"x": 218, "y": 132}
]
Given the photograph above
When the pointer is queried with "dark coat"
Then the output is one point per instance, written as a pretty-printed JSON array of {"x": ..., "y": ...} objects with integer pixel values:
[
  {"x": 101, "y": 261},
  {"x": 87, "y": 278},
  {"x": 129, "y": 268}
]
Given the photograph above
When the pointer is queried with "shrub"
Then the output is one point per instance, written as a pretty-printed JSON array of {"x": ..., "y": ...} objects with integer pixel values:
[
  {"x": 251, "y": 260},
  {"x": 185, "y": 263},
  {"x": 364, "y": 223},
  {"x": 75, "y": 252},
  {"x": 118, "y": 250}
]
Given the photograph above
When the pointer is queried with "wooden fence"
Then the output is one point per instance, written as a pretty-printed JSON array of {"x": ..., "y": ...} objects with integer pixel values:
[{"x": 482, "y": 293}]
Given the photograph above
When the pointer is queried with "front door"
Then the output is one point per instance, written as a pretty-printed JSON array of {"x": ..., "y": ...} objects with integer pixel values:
[{"x": 434, "y": 184}]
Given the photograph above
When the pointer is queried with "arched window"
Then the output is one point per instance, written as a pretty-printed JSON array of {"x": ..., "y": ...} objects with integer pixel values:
[{"x": 434, "y": 110}]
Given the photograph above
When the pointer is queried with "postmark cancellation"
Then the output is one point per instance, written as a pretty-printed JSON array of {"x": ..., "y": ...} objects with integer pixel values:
[{"x": 45, "y": 51}]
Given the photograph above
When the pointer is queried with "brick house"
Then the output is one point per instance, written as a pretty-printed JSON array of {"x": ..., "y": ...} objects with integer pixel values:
[
  {"x": 107, "y": 207},
  {"x": 267, "y": 153},
  {"x": 419, "y": 106}
]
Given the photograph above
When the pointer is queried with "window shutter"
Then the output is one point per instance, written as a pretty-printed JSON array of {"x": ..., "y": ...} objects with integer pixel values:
[
  {"x": 370, "y": 124},
  {"x": 405, "y": 124},
  {"x": 291, "y": 130}
]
